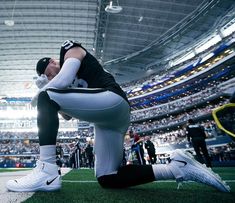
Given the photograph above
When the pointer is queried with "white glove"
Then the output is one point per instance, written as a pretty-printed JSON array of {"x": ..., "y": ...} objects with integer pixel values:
[{"x": 41, "y": 81}]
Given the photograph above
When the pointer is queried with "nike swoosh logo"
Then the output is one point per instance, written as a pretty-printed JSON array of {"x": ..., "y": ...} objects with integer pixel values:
[
  {"x": 51, "y": 181},
  {"x": 184, "y": 162}
]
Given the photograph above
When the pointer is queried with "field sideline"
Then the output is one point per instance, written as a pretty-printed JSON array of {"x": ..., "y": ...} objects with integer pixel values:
[{"x": 81, "y": 186}]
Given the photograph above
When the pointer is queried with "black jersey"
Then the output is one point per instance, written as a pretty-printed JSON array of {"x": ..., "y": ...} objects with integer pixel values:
[{"x": 91, "y": 74}]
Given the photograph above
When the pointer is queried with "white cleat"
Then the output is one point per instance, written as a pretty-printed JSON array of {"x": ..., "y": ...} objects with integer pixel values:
[
  {"x": 185, "y": 168},
  {"x": 44, "y": 177}
]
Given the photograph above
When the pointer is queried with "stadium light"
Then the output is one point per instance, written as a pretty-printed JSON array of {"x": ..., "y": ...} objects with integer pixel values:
[
  {"x": 113, "y": 9},
  {"x": 11, "y": 22}
]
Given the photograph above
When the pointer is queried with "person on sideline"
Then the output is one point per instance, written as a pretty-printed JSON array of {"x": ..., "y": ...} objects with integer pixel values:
[
  {"x": 148, "y": 144},
  {"x": 138, "y": 150},
  {"x": 196, "y": 134},
  {"x": 89, "y": 154},
  {"x": 102, "y": 102}
]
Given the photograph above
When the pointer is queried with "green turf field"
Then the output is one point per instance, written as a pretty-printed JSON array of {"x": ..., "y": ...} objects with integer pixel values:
[{"x": 81, "y": 186}]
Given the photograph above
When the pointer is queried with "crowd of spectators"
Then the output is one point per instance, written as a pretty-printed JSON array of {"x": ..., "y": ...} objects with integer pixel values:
[
  {"x": 27, "y": 142},
  {"x": 22, "y": 148},
  {"x": 18, "y": 147},
  {"x": 9, "y": 135},
  {"x": 175, "y": 105},
  {"x": 179, "y": 136},
  {"x": 164, "y": 142},
  {"x": 30, "y": 123},
  {"x": 11, "y": 146},
  {"x": 169, "y": 120}
]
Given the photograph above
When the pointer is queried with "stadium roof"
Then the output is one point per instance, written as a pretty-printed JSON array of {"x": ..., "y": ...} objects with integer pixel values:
[{"x": 132, "y": 43}]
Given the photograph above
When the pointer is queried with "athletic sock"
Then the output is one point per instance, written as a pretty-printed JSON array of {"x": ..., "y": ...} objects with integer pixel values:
[
  {"x": 48, "y": 154},
  {"x": 162, "y": 172}
]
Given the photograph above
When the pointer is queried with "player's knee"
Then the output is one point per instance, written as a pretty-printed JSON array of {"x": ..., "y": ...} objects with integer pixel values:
[
  {"x": 106, "y": 181},
  {"x": 44, "y": 101}
]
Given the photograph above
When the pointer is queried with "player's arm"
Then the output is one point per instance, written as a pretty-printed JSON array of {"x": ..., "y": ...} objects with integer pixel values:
[
  {"x": 72, "y": 61},
  {"x": 68, "y": 72},
  {"x": 69, "y": 69}
]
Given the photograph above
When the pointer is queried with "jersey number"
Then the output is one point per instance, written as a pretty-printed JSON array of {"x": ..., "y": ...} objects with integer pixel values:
[
  {"x": 79, "y": 83},
  {"x": 67, "y": 44}
]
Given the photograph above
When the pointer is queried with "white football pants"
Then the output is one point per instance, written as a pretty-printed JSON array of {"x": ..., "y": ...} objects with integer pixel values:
[{"x": 110, "y": 114}]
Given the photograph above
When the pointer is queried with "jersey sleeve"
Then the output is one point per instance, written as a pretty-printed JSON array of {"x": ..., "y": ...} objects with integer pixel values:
[{"x": 67, "y": 45}]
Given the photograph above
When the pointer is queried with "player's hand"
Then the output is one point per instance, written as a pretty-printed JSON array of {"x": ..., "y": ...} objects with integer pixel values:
[{"x": 41, "y": 81}]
